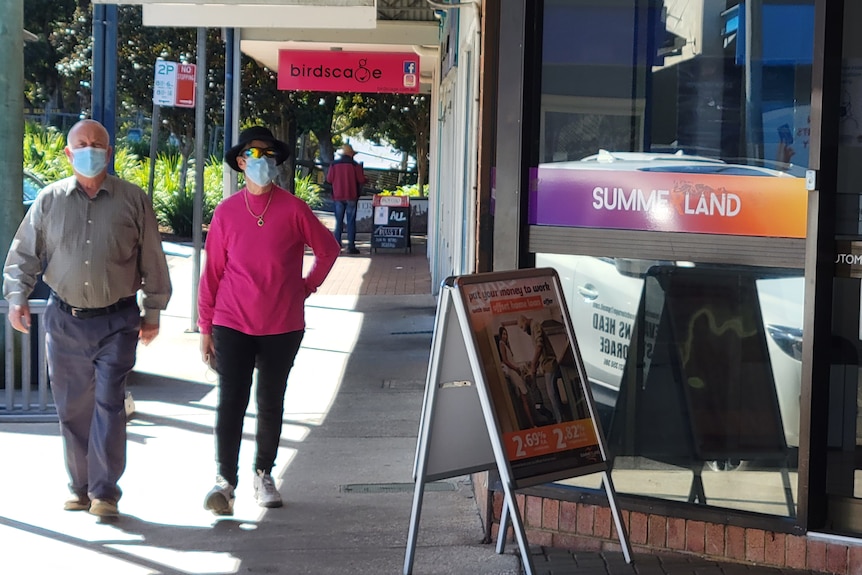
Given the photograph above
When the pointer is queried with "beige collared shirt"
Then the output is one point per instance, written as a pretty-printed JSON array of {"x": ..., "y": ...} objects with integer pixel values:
[{"x": 95, "y": 251}]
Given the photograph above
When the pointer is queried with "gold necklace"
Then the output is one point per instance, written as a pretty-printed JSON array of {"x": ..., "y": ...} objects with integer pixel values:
[{"x": 259, "y": 217}]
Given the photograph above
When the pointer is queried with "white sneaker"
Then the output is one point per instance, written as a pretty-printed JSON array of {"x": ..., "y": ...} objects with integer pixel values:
[
  {"x": 220, "y": 498},
  {"x": 265, "y": 491}
]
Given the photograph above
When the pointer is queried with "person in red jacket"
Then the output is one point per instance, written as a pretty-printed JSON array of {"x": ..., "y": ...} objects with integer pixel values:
[{"x": 347, "y": 179}]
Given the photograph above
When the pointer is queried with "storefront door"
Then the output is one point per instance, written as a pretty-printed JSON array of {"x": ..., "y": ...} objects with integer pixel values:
[
  {"x": 844, "y": 422},
  {"x": 667, "y": 188}
]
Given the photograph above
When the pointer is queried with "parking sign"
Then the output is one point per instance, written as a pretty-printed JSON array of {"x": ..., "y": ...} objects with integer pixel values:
[
  {"x": 165, "y": 83},
  {"x": 174, "y": 84}
]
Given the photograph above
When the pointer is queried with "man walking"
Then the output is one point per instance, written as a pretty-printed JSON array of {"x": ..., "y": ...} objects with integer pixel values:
[
  {"x": 347, "y": 179},
  {"x": 99, "y": 241}
]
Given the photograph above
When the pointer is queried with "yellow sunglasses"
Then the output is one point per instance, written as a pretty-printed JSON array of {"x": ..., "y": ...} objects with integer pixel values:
[{"x": 259, "y": 153}]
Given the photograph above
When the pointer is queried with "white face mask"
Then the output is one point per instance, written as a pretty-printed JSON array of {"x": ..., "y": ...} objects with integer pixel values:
[
  {"x": 89, "y": 162},
  {"x": 261, "y": 171}
]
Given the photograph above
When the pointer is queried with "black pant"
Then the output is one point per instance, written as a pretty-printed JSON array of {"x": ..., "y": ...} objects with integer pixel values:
[{"x": 237, "y": 354}]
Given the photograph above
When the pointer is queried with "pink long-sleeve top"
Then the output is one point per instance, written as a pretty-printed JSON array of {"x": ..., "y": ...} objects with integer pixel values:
[{"x": 252, "y": 281}]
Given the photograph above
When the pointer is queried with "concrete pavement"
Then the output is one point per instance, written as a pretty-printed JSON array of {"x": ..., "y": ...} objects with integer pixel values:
[{"x": 344, "y": 467}]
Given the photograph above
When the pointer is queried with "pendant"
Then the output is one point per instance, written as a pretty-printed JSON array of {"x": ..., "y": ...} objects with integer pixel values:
[{"x": 260, "y": 222}]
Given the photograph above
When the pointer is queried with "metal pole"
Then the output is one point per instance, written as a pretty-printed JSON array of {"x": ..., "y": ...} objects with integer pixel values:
[
  {"x": 154, "y": 148},
  {"x": 200, "y": 130},
  {"x": 109, "y": 91},
  {"x": 11, "y": 155},
  {"x": 754, "y": 79},
  {"x": 104, "y": 77},
  {"x": 229, "y": 79},
  {"x": 97, "y": 82},
  {"x": 237, "y": 86}
]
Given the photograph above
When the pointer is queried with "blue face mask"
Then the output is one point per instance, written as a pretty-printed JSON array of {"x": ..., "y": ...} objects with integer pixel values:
[
  {"x": 89, "y": 162},
  {"x": 261, "y": 171}
]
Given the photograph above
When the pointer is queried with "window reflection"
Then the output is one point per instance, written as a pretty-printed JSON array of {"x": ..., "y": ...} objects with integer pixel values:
[
  {"x": 678, "y": 76},
  {"x": 694, "y": 367},
  {"x": 695, "y": 371}
]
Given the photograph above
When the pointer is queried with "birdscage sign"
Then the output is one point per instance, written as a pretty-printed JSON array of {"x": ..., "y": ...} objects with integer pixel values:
[{"x": 174, "y": 84}]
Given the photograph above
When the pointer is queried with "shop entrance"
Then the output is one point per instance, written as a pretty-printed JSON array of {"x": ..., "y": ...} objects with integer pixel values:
[{"x": 844, "y": 426}]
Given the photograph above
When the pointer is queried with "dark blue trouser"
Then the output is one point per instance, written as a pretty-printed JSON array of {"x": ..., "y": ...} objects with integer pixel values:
[
  {"x": 237, "y": 354},
  {"x": 88, "y": 361},
  {"x": 346, "y": 209}
]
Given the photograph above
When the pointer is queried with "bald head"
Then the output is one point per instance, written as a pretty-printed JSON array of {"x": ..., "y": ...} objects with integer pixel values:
[{"x": 88, "y": 133}]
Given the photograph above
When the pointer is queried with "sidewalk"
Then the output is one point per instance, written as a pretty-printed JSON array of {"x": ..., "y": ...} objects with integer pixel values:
[{"x": 344, "y": 468}]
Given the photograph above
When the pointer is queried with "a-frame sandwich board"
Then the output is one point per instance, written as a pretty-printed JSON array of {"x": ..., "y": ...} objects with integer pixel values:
[{"x": 474, "y": 417}]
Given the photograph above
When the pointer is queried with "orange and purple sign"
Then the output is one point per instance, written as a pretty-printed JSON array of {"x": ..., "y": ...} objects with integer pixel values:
[
  {"x": 336, "y": 71},
  {"x": 669, "y": 202}
]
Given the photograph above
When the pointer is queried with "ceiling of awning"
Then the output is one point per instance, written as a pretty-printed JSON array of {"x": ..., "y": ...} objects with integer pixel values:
[{"x": 267, "y": 26}]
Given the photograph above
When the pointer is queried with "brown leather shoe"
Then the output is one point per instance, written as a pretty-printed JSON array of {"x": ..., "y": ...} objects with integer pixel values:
[
  {"x": 104, "y": 508},
  {"x": 77, "y": 503}
]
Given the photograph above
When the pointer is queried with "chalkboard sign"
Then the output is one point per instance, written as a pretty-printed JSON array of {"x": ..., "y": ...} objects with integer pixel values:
[{"x": 391, "y": 218}]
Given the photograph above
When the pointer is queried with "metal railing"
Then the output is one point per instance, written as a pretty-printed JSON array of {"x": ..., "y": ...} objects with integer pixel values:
[{"x": 26, "y": 396}]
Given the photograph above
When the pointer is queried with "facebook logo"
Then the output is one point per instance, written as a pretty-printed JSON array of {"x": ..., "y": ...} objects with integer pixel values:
[{"x": 409, "y": 67}]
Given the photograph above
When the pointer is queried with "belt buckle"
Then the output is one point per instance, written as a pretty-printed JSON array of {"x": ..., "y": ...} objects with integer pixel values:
[{"x": 75, "y": 311}]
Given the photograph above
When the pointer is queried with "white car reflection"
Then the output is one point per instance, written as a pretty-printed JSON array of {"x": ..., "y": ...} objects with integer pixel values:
[
  {"x": 616, "y": 286},
  {"x": 591, "y": 283}
]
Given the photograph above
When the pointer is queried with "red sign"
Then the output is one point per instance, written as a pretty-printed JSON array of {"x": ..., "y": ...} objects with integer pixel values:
[
  {"x": 185, "y": 93},
  {"x": 390, "y": 201},
  {"x": 317, "y": 71}
]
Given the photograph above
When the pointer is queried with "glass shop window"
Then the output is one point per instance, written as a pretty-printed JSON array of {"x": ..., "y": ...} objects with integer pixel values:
[{"x": 668, "y": 116}]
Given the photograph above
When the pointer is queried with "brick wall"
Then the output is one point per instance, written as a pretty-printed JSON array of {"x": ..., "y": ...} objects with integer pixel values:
[{"x": 583, "y": 527}]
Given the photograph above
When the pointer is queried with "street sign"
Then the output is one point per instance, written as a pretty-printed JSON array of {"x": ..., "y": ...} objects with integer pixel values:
[
  {"x": 174, "y": 84},
  {"x": 185, "y": 94},
  {"x": 165, "y": 83}
]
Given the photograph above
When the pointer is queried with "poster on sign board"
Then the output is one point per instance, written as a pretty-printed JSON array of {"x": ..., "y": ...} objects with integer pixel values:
[{"x": 533, "y": 372}]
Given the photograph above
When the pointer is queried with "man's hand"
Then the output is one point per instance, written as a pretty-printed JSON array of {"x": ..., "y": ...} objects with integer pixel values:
[
  {"x": 148, "y": 333},
  {"x": 19, "y": 317}
]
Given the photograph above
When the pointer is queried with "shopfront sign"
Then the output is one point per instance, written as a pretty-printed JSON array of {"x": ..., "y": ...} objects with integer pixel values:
[
  {"x": 338, "y": 71},
  {"x": 767, "y": 206}
]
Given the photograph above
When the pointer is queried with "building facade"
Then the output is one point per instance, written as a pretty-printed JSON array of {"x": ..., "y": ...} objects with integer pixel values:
[{"x": 690, "y": 169}]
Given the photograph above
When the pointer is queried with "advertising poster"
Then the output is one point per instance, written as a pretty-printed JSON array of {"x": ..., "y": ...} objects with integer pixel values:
[{"x": 531, "y": 369}]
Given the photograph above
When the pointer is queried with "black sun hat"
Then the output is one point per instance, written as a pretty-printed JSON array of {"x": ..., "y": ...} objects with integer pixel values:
[{"x": 257, "y": 133}]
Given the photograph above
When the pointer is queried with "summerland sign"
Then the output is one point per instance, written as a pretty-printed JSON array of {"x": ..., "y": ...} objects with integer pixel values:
[{"x": 374, "y": 72}]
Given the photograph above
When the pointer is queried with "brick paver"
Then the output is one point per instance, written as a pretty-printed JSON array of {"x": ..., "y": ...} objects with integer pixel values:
[{"x": 384, "y": 272}]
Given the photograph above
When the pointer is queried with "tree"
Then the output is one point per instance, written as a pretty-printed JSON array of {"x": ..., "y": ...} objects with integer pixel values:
[
  {"x": 402, "y": 120},
  {"x": 57, "y": 65}
]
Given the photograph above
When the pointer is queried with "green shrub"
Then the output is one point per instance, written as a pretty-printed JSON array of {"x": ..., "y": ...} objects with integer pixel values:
[
  {"x": 44, "y": 153},
  {"x": 173, "y": 205},
  {"x": 308, "y": 190},
  {"x": 412, "y": 190}
]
